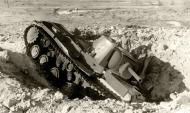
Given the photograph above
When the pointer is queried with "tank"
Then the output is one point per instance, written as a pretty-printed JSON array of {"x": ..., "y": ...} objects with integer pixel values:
[{"x": 67, "y": 60}]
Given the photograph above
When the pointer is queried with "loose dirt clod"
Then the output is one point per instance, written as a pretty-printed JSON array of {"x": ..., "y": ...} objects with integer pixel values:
[{"x": 58, "y": 96}]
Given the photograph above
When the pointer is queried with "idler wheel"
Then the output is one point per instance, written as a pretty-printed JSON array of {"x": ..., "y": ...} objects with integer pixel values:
[
  {"x": 43, "y": 59},
  {"x": 32, "y": 35},
  {"x": 55, "y": 72},
  {"x": 35, "y": 51}
]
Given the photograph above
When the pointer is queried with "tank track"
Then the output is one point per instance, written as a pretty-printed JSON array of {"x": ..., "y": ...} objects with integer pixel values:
[{"x": 44, "y": 54}]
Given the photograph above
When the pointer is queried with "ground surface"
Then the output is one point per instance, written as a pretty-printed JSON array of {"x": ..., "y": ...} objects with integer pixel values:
[{"x": 163, "y": 24}]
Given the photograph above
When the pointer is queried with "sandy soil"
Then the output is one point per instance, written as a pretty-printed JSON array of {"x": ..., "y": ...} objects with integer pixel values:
[{"x": 161, "y": 29}]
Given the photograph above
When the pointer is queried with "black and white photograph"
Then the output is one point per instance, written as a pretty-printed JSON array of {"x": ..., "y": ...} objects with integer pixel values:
[{"x": 94, "y": 56}]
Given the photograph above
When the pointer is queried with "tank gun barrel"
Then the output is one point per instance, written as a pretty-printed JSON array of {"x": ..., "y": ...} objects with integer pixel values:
[{"x": 137, "y": 77}]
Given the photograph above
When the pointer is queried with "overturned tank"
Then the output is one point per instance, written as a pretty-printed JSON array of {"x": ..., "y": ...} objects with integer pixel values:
[{"x": 67, "y": 60}]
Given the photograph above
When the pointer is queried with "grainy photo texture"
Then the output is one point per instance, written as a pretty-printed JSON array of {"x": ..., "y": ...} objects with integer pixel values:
[{"x": 94, "y": 56}]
